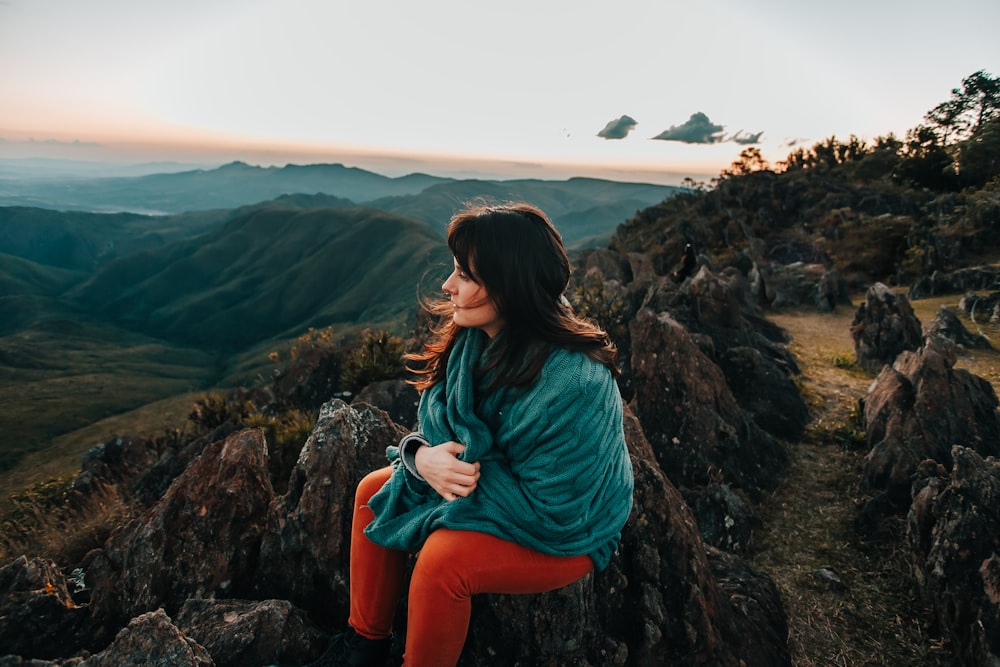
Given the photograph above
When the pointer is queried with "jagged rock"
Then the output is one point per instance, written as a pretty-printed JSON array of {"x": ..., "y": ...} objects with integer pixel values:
[
  {"x": 760, "y": 627},
  {"x": 397, "y": 397},
  {"x": 953, "y": 530},
  {"x": 119, "y": 461},
  {"x": 699, "y": 432},
  {"x": 947, "y": 325},
  {"x": 173, "y": 461},
  {"x": 151, "y": 640},
  {"x": 918, "y": 409},
  {"x": 610, "y": 265},
  {"x": 664, "y": 599},
  {"x": 38, "y": 618},
  {"x": 722, "y": 319},
  {"x": 725, "y": 517},
  {"x": 766, "y": 390},
  {"x": 241, "y": 633},
  {"x": 201, "y": 539},
  {"x": 304, "y": 552},
  {"x": 884, "y": 325},
  {"x": 640, "y": 266},
  {"x": 801, "y": 284}
]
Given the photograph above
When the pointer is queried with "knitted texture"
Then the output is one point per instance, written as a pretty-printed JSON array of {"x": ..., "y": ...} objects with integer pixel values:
[{"x": 555, "y": 472}]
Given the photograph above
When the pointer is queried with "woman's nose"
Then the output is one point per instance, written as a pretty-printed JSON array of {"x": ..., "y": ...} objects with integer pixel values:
[{"x": 447, "y": 284}]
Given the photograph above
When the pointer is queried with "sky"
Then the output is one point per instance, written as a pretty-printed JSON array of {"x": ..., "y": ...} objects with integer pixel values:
[{"x": 633, "y": 90}]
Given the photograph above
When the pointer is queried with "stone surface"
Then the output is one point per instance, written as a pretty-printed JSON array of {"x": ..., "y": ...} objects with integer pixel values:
[
  {"x": 151, "y": 640},
  {"x": 884, "y": 325},
  {"x": 918, "y": 409},
  {"x": 953, "y": 530},
  {"x": 201, "y": 539}
]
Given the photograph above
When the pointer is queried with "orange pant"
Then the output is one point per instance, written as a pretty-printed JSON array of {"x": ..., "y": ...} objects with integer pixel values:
[{"x": 452, "y": 566}]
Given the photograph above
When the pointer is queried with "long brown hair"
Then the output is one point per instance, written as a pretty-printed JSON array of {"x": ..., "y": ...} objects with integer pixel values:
[{"x": 520, "y": 259}]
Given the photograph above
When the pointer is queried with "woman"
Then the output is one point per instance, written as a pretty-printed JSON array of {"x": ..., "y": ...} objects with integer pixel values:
[{"x": 519, "y": 480}]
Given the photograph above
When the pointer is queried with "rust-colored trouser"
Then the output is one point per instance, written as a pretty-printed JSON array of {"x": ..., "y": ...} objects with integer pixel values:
[{"x": 452, "y": 566}]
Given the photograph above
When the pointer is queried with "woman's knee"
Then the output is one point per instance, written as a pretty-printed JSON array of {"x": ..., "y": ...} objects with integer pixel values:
[
  {"x": 370, "y": 485},
  {"x": 440, "y": 562}
]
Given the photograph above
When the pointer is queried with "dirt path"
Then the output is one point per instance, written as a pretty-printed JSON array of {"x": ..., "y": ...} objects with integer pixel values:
[{"x": 867, "y": 612}]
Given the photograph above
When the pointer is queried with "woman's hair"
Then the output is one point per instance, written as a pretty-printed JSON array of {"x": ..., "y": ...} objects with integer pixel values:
[{"x": 515, "y": 252}]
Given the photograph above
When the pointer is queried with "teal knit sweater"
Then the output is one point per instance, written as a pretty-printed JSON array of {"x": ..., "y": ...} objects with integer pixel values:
[{"x": 555, "y": 474}]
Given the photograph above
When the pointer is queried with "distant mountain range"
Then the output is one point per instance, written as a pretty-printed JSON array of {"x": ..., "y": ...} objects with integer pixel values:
[
  {"x": 128, "y": 307},
  {"x": 585, "y": 210}
]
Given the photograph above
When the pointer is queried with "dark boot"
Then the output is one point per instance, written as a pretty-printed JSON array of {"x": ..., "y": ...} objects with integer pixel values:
[{"x": 349, "y": 649}]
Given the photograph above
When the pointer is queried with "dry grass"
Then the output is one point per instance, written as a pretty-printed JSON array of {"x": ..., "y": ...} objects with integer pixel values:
[
  {"x": 809, "y": 523},
  {"x": 63, "y": 454}
]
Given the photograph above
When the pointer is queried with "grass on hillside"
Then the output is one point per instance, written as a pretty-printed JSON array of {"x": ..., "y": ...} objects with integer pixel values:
[
  {"x": 60, "y": 376},
  {"x": 809, "y": 522}
]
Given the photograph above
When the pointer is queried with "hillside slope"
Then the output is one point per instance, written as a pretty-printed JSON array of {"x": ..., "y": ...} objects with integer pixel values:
[{"x": 269, "y": 273}]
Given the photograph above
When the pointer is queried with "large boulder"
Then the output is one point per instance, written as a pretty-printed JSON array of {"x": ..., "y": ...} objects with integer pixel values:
[
  {"x": 947, "y": 325},
  {"x": 152, "y": 640},
  {"x": 884, "y": 325},
  {"x": 699, "y": 432},
  {"x": 917, "y": 409},
  {"x": 305, "y": 549},
  {"x": 202, "y": 539},
  {"x": 953, "y": 530},
  {"x": 249, "y": 633},
  {"x": 730, "y": 330}
]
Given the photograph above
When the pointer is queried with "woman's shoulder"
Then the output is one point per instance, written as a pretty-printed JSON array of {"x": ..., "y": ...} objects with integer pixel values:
[{"x": 574, "y": 368}]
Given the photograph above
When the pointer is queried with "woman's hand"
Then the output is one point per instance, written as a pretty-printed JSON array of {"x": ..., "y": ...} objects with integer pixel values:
[{"x": 446, "y": 474}]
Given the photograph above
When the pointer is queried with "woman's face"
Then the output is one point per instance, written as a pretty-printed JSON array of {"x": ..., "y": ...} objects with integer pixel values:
[{"x": 473, "y": 307}]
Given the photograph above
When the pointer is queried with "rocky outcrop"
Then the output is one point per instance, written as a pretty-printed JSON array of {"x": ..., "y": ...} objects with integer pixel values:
[
  {"x": 947, "y": 325},
  {"x": 920, "y": 408},
  {"x": 884, "y": 325},
  {"x": 396, "y": 397},
  {"x": 38, "y": 617},
  {"x": 698, "y": 430},
  {"x": 305, "y": 550},
  {"x": 731, "y": 331},
  {"x": 801, "y": 284},
  {"x": 973, "y": 278},
  {"x": 251, "y": 633},
  {"x": 248, "y": 576},
  {"x": 953, "y": 530},
  {"x": 151, "y": 639},
  {"x": 202, "y": 539}
]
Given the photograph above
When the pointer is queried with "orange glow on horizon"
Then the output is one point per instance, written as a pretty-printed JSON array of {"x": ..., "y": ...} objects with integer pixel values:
[{"x": 136, "y": 143}]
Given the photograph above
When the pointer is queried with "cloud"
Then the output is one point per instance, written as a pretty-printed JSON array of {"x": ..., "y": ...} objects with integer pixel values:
[
  {"x": 697, "y": 130},
  {"x": 618, "y": 128},
  {"x": 746, "y": 139}
]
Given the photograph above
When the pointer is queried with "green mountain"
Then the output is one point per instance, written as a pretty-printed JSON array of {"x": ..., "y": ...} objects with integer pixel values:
[
  {"x": 269, "y": 273},
  {"x": 82, "y": 241},
  {"x": 20, "y": 276}
]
